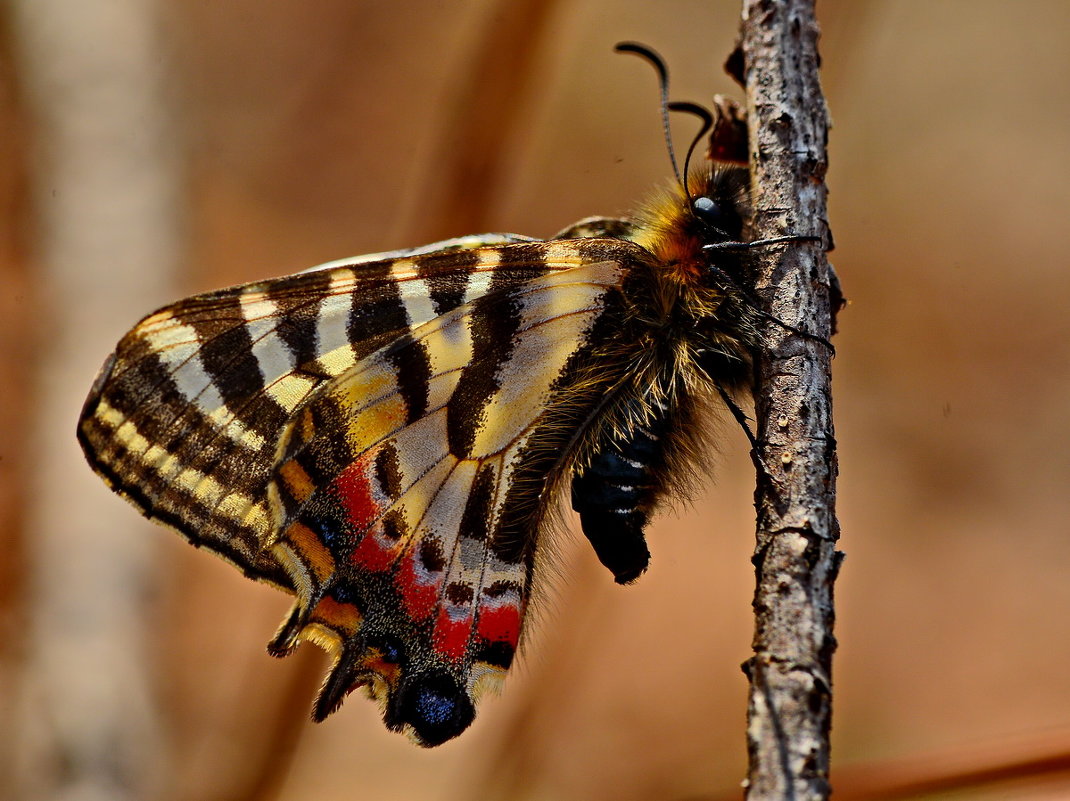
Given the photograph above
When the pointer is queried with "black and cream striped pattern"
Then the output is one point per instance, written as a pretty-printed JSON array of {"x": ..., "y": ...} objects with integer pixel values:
[{"x": 187, "y": 414}]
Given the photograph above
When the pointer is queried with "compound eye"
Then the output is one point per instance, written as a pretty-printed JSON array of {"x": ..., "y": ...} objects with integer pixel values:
[{"x": 709, "y": 211}]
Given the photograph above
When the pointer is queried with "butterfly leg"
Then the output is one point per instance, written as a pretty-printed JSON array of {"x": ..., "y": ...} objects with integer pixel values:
[{"x": 744, "y": 423}]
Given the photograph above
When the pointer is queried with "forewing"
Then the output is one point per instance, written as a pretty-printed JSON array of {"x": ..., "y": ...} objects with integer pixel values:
[{"x": 185, "y": 416}]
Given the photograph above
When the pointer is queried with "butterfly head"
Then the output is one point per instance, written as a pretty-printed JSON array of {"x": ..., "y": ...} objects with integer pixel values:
[
  {"x": 676, "y": 225},
  {"x": 707, "y": 207},
  {"x": 718, "y": 219}
]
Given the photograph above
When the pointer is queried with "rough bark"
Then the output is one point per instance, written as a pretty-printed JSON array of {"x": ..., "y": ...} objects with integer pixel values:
[{"x": 795, "y": 559}]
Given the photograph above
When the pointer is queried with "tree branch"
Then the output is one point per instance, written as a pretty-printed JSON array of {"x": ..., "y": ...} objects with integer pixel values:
[{"x": 795, "y": 559}]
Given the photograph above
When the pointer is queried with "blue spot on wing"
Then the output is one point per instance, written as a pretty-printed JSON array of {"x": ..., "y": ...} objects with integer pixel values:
[
  {"x": 434, "y": 704},
  {"x": 433, "y": 708}
]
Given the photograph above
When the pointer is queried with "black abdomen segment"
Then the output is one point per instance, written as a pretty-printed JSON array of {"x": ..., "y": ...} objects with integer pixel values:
[{"x": 613, "y": 496}]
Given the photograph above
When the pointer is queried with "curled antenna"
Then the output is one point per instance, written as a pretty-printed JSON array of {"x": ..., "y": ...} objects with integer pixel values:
[
  {"x": 703, "y": 114},
  {"x": 656, "y": 61}
]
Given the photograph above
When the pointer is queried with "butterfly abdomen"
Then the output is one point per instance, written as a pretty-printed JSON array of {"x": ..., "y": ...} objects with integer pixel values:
[{"x": 614, "y": 494}]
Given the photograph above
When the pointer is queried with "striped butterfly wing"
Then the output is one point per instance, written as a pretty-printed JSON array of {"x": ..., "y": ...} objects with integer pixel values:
[
  {"x": 185, "y": 415},
  {"x": 379, "y": 438}
]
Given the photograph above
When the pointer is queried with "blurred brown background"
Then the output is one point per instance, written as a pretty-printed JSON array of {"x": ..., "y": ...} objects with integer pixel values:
[{"x": 153, "y": 149}]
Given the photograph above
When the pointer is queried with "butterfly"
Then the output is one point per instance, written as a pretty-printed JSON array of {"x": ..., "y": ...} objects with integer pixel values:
[{"x": 388, "y": 437}]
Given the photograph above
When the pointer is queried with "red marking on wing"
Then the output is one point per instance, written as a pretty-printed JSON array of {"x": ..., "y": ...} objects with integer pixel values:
[
  {"x": 419, "y": 593},
  {"x": 355, "y": 491},
  {"x": 451, "y": 636},
  {"x": 499, "y": 624},
  {"x": 354, "y": 488},
  {"x": 372, "y": 553}
]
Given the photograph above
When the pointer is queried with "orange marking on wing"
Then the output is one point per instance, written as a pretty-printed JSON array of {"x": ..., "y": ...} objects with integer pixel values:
[
  {"x": 298, "y": 482},
  {"x": 373, "y": 660},
  {"x": 343, "y": 618},
  {"x": 312, "y": 551}
]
